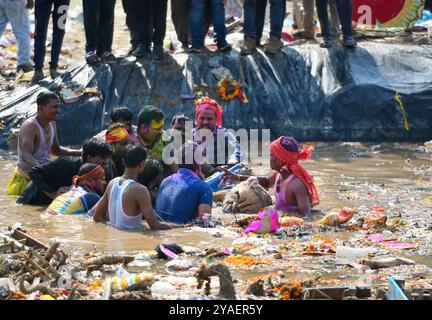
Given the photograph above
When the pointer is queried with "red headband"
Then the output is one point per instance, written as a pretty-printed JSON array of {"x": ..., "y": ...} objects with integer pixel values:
[
  {"x": 96, "y": 173},
  {"x": 290, "y": 160},
  {"x": 208, "y": 104}
]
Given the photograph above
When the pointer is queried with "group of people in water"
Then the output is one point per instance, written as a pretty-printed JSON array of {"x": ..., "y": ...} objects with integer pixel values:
[
  {"x": 122, "y": 175},
  {"x": 146, "y": 21}
]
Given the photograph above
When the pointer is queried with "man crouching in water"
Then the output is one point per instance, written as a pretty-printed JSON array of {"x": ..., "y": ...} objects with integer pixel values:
[
  {"x": 127, "y": 201},
  {"x": 293, "y": 185}
]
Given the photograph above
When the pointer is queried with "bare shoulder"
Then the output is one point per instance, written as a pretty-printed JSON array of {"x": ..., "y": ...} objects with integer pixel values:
[
  {"x": 298, "y": 185},
  {"x": 28, "y": 125},
  {"x": 138, "y": 187},
  {"x": 109, "y": 187}
]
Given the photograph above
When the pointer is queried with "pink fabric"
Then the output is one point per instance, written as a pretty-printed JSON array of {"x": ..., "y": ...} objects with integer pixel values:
[
  {"x": 266, "y": 216},
  {"x": 280, "y": 201},
  {"x": 290, "y": 160}
]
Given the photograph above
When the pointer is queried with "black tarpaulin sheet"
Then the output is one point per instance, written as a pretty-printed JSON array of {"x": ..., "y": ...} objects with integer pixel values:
[{"x": 305, "y": 91}]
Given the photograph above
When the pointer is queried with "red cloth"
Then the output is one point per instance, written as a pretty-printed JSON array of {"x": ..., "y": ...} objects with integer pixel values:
[
  {"x": 291, "y": 159},
  {"x": 96, "y": 173},
  {"x": 117, "y": 135},
  {"x": 208, "y": 104}
]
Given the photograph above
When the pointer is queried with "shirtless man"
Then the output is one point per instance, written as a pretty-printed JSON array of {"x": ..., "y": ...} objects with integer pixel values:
[
  {"x": 36, "y": 140},
  {"x": 126, "y": 201},
  {"x": 293, "y": 185}
]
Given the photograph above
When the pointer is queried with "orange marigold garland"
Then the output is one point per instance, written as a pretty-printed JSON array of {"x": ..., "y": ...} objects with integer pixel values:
[{"x": 230, "y": 89}]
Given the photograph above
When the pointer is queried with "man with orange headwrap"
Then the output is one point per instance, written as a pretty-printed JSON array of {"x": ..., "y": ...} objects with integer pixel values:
[
  {"x": 293, "y": 185},
  {"x": 208, "y": 115},
  {"x": 87, "y": 188},
  {"x": 118, "y": 137}
]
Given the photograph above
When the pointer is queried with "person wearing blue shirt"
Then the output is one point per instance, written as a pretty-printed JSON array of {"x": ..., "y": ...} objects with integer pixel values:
[{"x": 184, "y": 196}]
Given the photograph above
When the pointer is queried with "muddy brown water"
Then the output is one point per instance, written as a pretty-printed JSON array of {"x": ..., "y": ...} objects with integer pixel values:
[{"x": 332, "y": 164}]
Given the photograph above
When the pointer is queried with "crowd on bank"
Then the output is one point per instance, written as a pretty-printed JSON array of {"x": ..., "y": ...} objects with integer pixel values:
[
  {"x": 129, "y": 173},
  {"x": 146, "y": 21}
]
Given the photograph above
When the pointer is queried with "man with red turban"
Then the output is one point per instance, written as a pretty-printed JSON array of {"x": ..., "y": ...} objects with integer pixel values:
[
  {"x": 293, "y": 185},
  {"x": 208, "y": 115}
]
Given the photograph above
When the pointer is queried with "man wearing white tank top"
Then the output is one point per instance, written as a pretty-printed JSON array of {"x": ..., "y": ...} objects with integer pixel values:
[
  {"x": 126, "y": 203},
  {"x": 37, "y": 140}
]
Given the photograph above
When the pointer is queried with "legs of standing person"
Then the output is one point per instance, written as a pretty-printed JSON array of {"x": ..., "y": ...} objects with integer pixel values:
[
  {"x": 345, "y": 15},
  {"x": 130, "y": 8},
  {"x": 277, "y": 16},
  {"x": 196, "y": 24},
  {"x": 322, "y": 6},
  {"x": 249, "y": 27},
  {"x": 160, "y": 8},
  {"x": 42, "y": 15},
  {"x": 3, "y": 18},
  {"x": 59, "y": 16},
  {"x": 180, "y": 18},
  {"x": 16, "y": 13},
  {"x": 91, "y": 10},
  {"x": 309, "y": 19},
  {"x": 261, "y": 6},
  {"x": 334, "y": 19},
  {"x": 106, "y": 30},
  {"x": 218, "y": 15}
]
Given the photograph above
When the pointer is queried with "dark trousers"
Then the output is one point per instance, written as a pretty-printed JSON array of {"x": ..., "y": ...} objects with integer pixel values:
[
  {"x": 43, "y": 11},
  {"x": 180, "y": 18},
  {"x": 157, "y": 15},
  {"x": 254, "y": 16},
  {"x": 345, "y": 16},
  {"x": 132, "y": 9},
  {"x": 99, "y": 25},
  {"x": 196, "y": 20},
  {"x": 146, "y": 20}
]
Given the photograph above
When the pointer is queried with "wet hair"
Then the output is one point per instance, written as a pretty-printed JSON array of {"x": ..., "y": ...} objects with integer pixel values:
[
  {"x": 290, "y": 144},
  {"x": 45, "y": 97},
  {"x": 121, "y": 113},
  {"x": 188, "y": 148},
  {"x": 96, "y": 147},
  {"x": 149, "y": 113},
  {"x": 179, "y": 117},
  {"x": 114, "y": 126},
  {"x": 86, "y": 168},
  {"x": 152, "y": 171},
  {"x": 135, "y": 154}
]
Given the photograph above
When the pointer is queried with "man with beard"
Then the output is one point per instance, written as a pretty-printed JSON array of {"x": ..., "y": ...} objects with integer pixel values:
[
  {"x": 208, "y": 120},
  {"x": 37, "y": 139},
  {"x": 151, "y": 135},
  {"x": 87, "y": 188}
]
